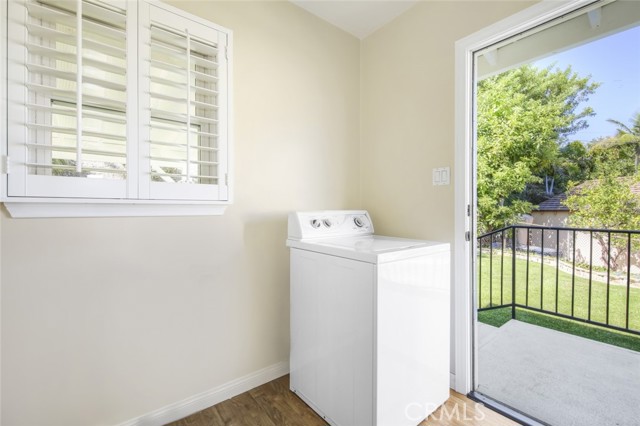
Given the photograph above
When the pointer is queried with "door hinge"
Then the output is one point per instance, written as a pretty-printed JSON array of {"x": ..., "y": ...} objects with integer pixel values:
[
  {"x": 467, "y": 236},
  {"x": 226, "y": 52},
  {"x": 468, "y": 210},
  {"x": 4, "y": 165},
  {"x": 226, "y": 179}
]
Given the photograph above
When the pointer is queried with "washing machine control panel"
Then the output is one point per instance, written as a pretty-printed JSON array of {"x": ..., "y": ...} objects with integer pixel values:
[{"x": 329, "y": 223}]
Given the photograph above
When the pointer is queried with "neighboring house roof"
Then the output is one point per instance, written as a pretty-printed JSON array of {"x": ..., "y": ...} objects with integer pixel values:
[{"x": 556, "y": 204}]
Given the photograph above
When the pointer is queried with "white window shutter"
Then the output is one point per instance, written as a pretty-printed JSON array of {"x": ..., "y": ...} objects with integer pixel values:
[
  {"x": 183, "y": 87},
  {"x": 70, "y": 98}
]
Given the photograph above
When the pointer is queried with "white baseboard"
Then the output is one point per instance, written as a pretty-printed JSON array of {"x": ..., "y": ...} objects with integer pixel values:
[
  {"x": 208, "y": 398},
  {"x": 452, "y": 380}
]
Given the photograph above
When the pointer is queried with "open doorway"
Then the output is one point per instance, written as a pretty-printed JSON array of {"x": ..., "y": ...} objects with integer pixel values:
[{"x": 557, "y": 252}]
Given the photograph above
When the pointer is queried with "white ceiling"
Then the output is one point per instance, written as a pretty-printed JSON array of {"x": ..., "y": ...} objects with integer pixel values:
[{"x": 358, "y": 17}]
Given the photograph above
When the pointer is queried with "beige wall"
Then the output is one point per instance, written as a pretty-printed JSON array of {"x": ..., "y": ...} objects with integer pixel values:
[
  {"x": 407, "y": 108},
  {"x": 553, "y": 219},
  {"x": 104, "y": 320},
  {"x": 550, "y": 218}
]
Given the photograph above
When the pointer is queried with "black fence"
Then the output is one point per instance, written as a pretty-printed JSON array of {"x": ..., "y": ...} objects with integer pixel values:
[{"x": 582, "y": 274}]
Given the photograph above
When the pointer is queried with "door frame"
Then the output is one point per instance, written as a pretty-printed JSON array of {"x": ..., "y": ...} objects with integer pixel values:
[{"x": 465, "y": 171}]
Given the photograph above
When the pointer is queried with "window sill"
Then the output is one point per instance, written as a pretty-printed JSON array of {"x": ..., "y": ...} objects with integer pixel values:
[{"x": 55, "y": 208}]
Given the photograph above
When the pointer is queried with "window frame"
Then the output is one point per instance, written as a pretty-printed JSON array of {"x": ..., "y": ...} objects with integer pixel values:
[
  {"x": 133, "y": 204},
  {"x": 148, "y": 13}
]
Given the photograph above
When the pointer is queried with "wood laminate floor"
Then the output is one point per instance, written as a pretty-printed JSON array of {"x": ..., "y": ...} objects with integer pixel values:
[{"x": 273, "y": 404}]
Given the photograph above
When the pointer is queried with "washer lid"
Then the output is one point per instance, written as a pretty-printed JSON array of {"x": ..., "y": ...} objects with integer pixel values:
[
  {"x": 369, "y": 248},
  {"x": 370, "y": 243}
]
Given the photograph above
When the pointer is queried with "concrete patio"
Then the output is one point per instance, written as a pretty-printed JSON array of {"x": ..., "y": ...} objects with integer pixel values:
[{"x": 560, "y": 379}]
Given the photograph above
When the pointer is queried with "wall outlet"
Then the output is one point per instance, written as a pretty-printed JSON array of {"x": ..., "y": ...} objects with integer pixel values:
[{"x": 441, "y": 176}]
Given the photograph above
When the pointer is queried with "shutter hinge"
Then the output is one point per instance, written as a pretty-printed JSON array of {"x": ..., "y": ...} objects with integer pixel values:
[
  {"x": 467, "y": 236},
  {"x": 4, "y": 165}
]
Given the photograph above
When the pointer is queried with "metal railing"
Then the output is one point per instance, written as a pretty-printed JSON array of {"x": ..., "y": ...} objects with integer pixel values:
[{"x": 582, "y": 274}]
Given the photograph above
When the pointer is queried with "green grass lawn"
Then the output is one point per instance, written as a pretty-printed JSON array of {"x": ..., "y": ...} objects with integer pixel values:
[
  {"x": 501, "y": 294},
  {"x": 498, "y": 317}
]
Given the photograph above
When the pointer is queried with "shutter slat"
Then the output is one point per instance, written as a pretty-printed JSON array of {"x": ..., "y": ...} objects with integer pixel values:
[
  {"x": 167, "y": 36},
  {"x": 102, "y": 30},
  {"x": 207, "y": 134},
  {"x": 204, "y": 105},
  {"x": 84, "y": 168},
  {"x": 168, "y": 67},
  {"x": 73, "y": 149},
  {"x": 104, "y": 83},
  {"x": 50, "y": 33},
  {"x": 168, "y": 159},
  {"x": 203, "y": 120},
  {"x": 169, "y": 128},
  {"x": 106, "y": 49},
  {"x": 70, "y": 97},
  {"x": 162, "y": 96},
  {"x": 182, "y": 160},
  {"x": 71, "y": 76},
  {"x": 205, "y": 77},
  {"x": 169, "y": 116},
  {"x": 67, "y": 17},
  {"x": 71, "y": 112},
  {"x": 203, "y": 47},
  {"x": 41, "y": 69},
  {"x": 49, "y": 53},
  {"x": 205, "y": 163},
  {"x": 104, "y": 66},
  {"x": 100, "y": 12},
  {"x": 184, "y": 145},
  {"x": 167, "y": 82},
  {"x": 198, "y": 90},
  {"x": 104, "y": 14},
  {"x": 53, "y": 92},
  {"x": 73, "y": 131},
  {"x": 169, "y": 50},
  {"x": 53, "y": 54},
  {"x": 183, "y": 175},
  {"x": 204, "y": 62}
]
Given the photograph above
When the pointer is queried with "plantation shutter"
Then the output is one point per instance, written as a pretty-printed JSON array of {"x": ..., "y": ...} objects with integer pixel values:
[
  {"x": 183, "y": 82},
  {"x": 69, "y": 99}
]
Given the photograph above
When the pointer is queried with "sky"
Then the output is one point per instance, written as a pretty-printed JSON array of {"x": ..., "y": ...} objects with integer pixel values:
[{"x": 613, "y": 61}]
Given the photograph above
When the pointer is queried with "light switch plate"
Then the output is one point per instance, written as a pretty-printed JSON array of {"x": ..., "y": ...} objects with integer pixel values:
[{"x": 441, "y": 176}]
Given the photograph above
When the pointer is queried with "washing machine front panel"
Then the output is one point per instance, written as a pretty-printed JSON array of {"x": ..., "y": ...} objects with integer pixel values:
[{"x": 332, "y": 330}]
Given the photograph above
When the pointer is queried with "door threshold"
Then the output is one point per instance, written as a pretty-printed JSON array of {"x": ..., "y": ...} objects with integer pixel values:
[{"x": 505, "y": 410}]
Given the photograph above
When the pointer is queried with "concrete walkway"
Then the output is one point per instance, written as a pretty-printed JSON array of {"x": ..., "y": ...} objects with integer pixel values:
[{"x": 558, "y": 378}]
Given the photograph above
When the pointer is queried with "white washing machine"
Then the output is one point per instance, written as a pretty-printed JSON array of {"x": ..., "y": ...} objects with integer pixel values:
[{"x": 369, "y": 321}]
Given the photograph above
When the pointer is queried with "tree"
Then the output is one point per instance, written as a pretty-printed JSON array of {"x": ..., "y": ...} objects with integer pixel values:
[
  {"x": 606, "y": 203},
  {"x": 573, "y": 164},
  {"x": 524, "y": 117},
  {"x": 612, "y": 158},
  {"x": 626, "y": 136}
]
